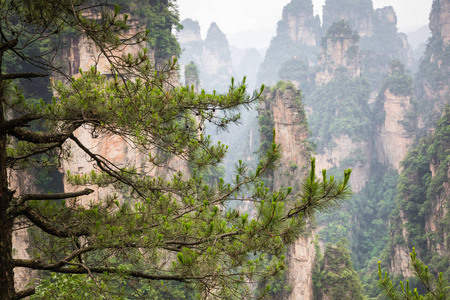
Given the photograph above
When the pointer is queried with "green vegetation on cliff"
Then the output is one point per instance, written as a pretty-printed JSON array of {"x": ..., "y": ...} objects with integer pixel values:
[
  {"x": 160, "y": 17},
  {"x": 339, "y": 107},
  {"x": 399, "y": 82},
  {"x": 423, "y": 199},
  {"x": 282, "y": 47},
  {"x": 335, "y": 277}
]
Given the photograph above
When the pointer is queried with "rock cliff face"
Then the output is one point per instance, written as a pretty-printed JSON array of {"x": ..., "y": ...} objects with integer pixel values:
[
  {"x": 212, "y": 56},
  {"x": 82, "y": 54},
  {"x": 217, "y": 67},
  {"x": 340, "y": 57},
  {"x": 440, "y": 21},
  {"x": 424, "y": 179},
  {"x": 433, "y": 84},
  {"x": 394, "y": 139},
  {"x": 298, "y": 34},
  {"x": 339, "y": 49},
  {"x": 299, "y": 24},
  {"x": 424, "y": 185},
  {"x": 191, "y": 42},
  {"x": 380, "y": 42},
  {"x": 358, "y": 13},
  {"x": 283, "y": 106},
  {"x": 395, "y": 133},
  {"x": 347, "y": 153}
]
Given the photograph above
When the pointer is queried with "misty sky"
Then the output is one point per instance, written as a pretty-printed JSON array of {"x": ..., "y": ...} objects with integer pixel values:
[{"x": 250, "y": 23}]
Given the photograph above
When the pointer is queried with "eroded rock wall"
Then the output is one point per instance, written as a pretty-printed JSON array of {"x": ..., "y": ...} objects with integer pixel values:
[
  {"x": 339, "y": 50},
  {"x": 393, "y": 139},
  {"x": 298, "y": 35},
  {"x": 212, "y": 55},
  {"x": 283, "y": 105}
]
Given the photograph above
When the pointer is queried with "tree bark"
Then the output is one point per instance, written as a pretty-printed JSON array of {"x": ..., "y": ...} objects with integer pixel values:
[{"x": 6, "y": 221}]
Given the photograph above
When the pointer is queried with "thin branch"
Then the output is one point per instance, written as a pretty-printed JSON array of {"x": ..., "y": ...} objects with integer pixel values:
[
  {"x": 59, "y": 267},
  {"x": 56, "y": 196},
  {"x": 49, "y": 227},
  {"x": 8, "y": 45},
  {"x": 105, "y": 167},
  {"x": 37, "y": 150},
  {"x": 41, "y": 137},
  {"x": 52, "y": 267},
  {"x": 18, "y": 122},
  {"x": 23, "y": 75}
]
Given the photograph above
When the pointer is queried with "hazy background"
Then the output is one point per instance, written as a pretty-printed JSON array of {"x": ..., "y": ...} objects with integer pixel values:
[{"x": 252, "y": 23}]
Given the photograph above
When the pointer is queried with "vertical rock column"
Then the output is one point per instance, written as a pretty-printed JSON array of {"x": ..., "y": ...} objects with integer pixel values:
[{"x": 283, "y": 105}]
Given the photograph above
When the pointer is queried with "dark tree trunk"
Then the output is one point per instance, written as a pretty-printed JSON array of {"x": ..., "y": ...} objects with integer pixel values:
[{"x": 6, "y": 221}]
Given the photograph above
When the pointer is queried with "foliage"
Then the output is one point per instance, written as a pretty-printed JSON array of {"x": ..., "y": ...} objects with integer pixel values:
[
  {"x": 191, "y": 71},
  {"x": 339, "y": 108},
  {"x": 339, "y": 29},
  {"x": 83, "y": 286},
  {"x": 435, "y": 288},
  {"x": 297, "y": 70},
  {"x": 281, "y": 49},
  {"x": 160, "y": 18},
  {"x": 338, "y": 279},
  {"x": 156, "y": 224},
  {"x": 432, "y": 78},
  {"x": 399, "y": 82},
  {"x": 420, "y": 193}
]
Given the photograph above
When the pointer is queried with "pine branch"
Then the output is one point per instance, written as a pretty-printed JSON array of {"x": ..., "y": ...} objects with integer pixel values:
[
  {"x": 18, "y": 122},
  {"x": 47, "y": 226},
  {"x": 56, "y": 196},
  {"x": 32, "y": 264},
  {"x": 23, "y": 75},
  {"x": 59, "y": 267},
  {"x": 42, "y": 137}
]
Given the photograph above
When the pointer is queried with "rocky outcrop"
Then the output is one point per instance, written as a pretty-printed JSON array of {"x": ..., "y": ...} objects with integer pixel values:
[
  {"x": 301, "y": 257},
  {"x": 191, "y": 42},
  {"x": 433, "y": 84},
  {"x": 190, "y": 32},
  {"x": 249, "y": 66},
  {"x": 339, "y": 50},
  {"x": 396, "y": 131},
  {"x": 358, "y": 13},
  {"x": 394, "y": 138},
  {"x": 299, "y": 23},
  {"x": 298, "y": 34},
  {"x": 212, "y": 56},
  {"x": 345, "y": 153},
  {"x": 380, "y": 42},
  {"x": 216, "y": 65},
  {"x": 283, "y": 106},
  {"x": 424, "y": 186},
  {"x": 440, "y": 21}
]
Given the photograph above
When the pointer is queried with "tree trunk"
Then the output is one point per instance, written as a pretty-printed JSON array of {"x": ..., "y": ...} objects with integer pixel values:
[{"x": 6, "y": 221}]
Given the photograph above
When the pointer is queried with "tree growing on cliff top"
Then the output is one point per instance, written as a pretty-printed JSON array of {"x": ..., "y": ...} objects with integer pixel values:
[{"x": 160, "y": 229}]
